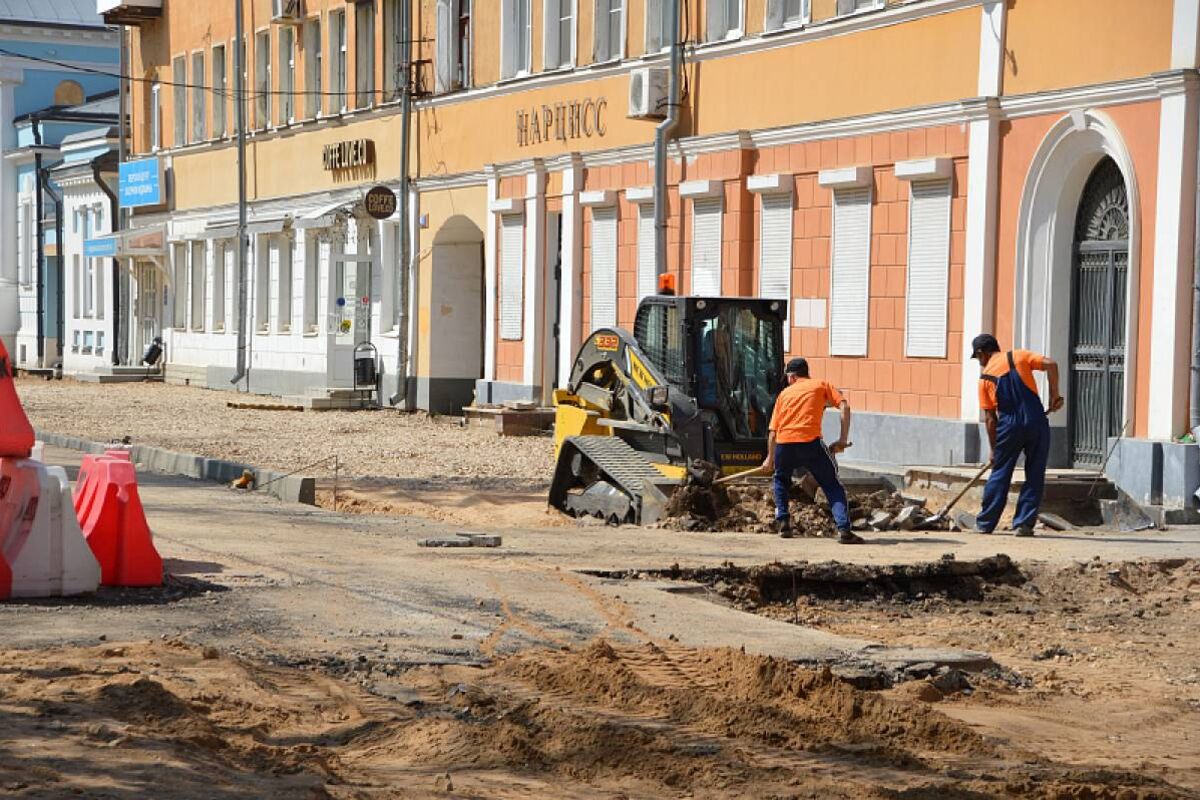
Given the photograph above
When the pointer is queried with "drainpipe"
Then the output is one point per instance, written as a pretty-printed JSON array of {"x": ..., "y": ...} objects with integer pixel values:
[
  {"x": 661, "y": 133},
  {"x": 239, "y": 106},
  {"x": 58, "y": 236},
  {"x": 401, "y": 398},
  {"x": 114, "y": 209}
]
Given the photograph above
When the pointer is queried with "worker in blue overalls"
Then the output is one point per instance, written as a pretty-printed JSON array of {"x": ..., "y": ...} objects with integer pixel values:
[{"x": 1017, "y": 425}]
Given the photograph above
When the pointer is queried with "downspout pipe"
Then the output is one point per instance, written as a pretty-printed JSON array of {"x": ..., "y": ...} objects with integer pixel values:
[
  {"x": 403, "y": 300},
  {"x": 114, "y": 209},
  {"x": 661, "y": 134},
  {"x": 239, "y": 110}
]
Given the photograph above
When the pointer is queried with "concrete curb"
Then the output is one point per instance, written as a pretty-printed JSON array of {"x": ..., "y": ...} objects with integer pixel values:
[{"x": 289, "y": 488}]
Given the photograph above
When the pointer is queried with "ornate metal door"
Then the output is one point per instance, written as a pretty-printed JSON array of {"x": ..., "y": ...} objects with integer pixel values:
[{"x": 1098, "y": 289}]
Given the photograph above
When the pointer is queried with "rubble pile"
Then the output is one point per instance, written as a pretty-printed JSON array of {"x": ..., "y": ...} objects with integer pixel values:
[{"x": 750, "y": 508}]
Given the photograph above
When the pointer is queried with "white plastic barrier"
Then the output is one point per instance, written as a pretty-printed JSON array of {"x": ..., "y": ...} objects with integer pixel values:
[{"x": 55, "y": 559}]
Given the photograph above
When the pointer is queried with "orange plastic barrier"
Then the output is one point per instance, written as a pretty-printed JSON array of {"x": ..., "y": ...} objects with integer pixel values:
[
  {"x": 114, "y": 524},
  {"x": 16, "y": 434}
]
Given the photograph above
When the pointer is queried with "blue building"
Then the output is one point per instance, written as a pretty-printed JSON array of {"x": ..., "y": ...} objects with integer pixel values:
[{"x": 58, "y": 62}]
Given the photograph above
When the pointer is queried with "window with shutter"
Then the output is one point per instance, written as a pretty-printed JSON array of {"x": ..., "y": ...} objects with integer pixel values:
[
  {"x": 928, "y": 269},
  {"x": 512, "y": 276},
  {"x": 850, "y": 273},
  {"x": 706, "y": 247},
  {"x": 647, "y": 275},
  {"x": 604, "y": 267},
  {"x": 775, "y": 250}
]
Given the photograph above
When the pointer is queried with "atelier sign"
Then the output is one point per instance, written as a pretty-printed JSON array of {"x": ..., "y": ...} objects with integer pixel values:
[
  {"x": 348, "y": 155},
  {"x": 578, "y": 119},
  {"x": 380, "y": 202}
]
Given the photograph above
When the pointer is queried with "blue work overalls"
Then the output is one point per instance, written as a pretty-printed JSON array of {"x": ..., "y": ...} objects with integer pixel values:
[{"x": 1022, "y": 427}]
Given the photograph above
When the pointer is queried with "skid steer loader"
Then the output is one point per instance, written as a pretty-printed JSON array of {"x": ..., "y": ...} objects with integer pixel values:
[{"x": 695, "y": 382}]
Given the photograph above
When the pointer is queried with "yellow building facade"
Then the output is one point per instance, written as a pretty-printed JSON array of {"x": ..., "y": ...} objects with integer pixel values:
[{"x": 903, "y": 174}]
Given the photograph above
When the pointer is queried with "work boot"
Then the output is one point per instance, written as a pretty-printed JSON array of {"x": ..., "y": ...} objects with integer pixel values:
[
  {"x": 784, "y": 527},
  {"x": 847, "y": 536},
  {"x": 1024, "y": 531}
]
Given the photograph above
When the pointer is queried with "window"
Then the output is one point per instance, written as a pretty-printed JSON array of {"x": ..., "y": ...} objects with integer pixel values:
[
  {"x": 25, "y": 243},
  {"x": 179, "y": 78},
  {"x": 453, "y": 56},
  {"x": 220, "y": 84},
  {"x": 515, "y": 36},
  {"x": 786, "y": 13},
  {"x": 287, "y": 74},
  {"x": 724, "y": 20},
  {"x": 706, "y": 247},
  {"x": 658, "y": 23},
  {"x": 647, "y": 269},
  {"x": 262, "y": 79},
  {"x": 312, "y": 68},
  {"x": 337, "y": 61},
  {"x": 316, "y": 263},
  {"x": 364, "y": 55},
  {"x": 266, "y": 261},
  {"x": 512, "y": 274},
  {"x": 609, "y": 40},
  {"x": 928, "y": 269},
  {"x": 179, "y": 284},
  {"x": 199, "y": 130},
  {"x": 845, "y": 7},
  {"x": 391, "y": 50},
  {"x": 559, "y": 28},
  {"x": 199, "y": 275},
  {"x": 850, "y": 272},
  {"x": 775, "y": 250},
  {"x": 604, "y": 267},
  {"x": 154, "y": 116},
  {"x": 290, "y": 252},
  {"x": 223, "y": 255}
]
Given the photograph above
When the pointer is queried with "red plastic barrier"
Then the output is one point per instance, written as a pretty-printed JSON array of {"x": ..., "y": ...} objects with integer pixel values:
[
  {"x": 114, "y": 524},
  {"x": 16, "y": 434}
]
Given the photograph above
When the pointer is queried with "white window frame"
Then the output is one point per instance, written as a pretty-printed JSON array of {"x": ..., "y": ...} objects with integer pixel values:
[
  {"x": 314, "y": 63},
  {"x": 777, "y": 18},
  {"x": 515, "y": 65},
  {"x": 287, "y": 74},
  {"x": 665, "y": 45},
  {"x": 199, "y": 98},
  {"x": 621, "y": 7},
  {"x": 552, "y": 34},
  {"x": 606, "y": 267},
  {"x": 220, "y": 84},
  {"x": 511, "y": 302},
  {"x": 339, "y": 61},
  {"x": 849, "y": 337},
  {"x": 724, "y": 32},
  {"x": 180, "y": 100},
  {"x": 927, "y": 294}
]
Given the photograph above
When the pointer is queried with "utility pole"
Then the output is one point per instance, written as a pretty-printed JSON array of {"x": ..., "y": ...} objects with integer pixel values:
[{"x": 239, "y": 101}]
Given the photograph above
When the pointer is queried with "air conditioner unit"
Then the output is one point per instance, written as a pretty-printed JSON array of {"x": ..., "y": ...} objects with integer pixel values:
[
  {"x": 648, "y": 92},
  {"x": 287, "y": 12}
]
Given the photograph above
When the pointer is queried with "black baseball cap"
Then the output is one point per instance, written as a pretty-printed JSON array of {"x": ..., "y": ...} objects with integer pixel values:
[
  {"x": 984, "y": 343},
  {"x": 797, "y": 366}
]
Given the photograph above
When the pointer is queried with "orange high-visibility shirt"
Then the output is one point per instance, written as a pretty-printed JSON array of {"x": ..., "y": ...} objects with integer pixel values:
[
  {"x": 800, "y": 408},
  {"x": 1026, "y": 362}
]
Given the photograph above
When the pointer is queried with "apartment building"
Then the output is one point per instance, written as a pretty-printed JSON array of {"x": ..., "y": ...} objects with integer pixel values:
[{"x": 901, "y": 174}]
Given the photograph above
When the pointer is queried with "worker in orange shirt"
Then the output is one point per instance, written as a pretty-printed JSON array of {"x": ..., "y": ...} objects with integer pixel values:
[
  {"x": 795, "y": 444},
  {"x": 1016, "y": 424}
]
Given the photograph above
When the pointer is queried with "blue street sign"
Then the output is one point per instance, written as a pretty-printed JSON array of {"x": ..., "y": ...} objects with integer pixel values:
[
  {"x": 140, "y": 183},
  {"x": 104, "y": 247}
]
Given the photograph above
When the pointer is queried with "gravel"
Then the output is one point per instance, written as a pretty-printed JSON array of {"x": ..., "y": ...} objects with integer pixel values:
[{"x": 433, "y": 452}]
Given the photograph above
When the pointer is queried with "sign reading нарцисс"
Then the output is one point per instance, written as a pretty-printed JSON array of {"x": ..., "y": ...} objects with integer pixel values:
[{"x": 140, "y": 183}]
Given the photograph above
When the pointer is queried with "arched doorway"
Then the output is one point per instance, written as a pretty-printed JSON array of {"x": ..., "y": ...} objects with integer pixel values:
[{"x": 1099, "y": 289}]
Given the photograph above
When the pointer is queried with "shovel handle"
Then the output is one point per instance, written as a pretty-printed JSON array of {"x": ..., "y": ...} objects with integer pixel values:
[{"x": 942, "y": 514}]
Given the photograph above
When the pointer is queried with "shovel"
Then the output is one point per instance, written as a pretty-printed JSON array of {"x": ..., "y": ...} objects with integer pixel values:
[{"x": 941, "y": 515}]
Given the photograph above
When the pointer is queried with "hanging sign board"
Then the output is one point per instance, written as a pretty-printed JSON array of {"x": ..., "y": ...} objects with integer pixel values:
[{"x": 380, "y": 202}]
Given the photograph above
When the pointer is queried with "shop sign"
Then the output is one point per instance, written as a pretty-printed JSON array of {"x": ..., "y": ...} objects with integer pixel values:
[
  {"x": 349, "y": 154},
  {"x": 139, "y": 183},
  {"x": 562, "y": 122},
  {"x": 380, "y": 202}
]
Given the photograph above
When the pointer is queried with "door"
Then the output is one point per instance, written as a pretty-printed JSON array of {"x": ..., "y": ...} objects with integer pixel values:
[{"x": 1098, "y": 297}]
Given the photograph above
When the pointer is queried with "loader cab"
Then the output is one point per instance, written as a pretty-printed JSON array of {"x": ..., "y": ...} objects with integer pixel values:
[{"x": 724, "y": 352}]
